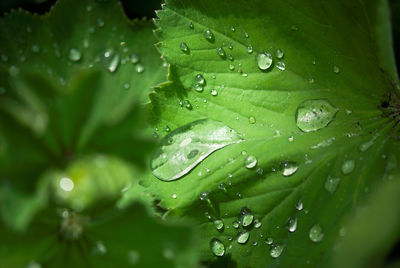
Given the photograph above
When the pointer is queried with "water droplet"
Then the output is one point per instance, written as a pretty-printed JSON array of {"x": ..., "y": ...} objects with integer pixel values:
[
  {"x": 230, "y": 57},
  {"x": 74, "y": 54},
  {"x": 13, "y": 70},
  {"x": 243, "y": 237},
  {"x": 219, "y": 225},
  {"x": 127, "y": 85},
  {"x": 281, "y": 65},
  {"x": 366, "y": 145},
  {"x": 316, "y": 234},
  {"x": 233, "y": 29},
  {"x": 336, "y": 69},
  {"x": 312, "y": 115},
  {"x": 188, "y": 105},
  {"x": 209, "y": 35},
  {"x": 250, "y": 161},
  {"x": 217, "y": 247},
  {"x": 100, "y": 23},
  {"x": 199, "y": 79},
  {"x": 230, "y": 46},
  {"x": 331, "y": 184},
  {"x": 133, "y": 257},
  {"x": 198, "y": 88},
  {"x": 294, "y": 28},
  {"x": 246, "y": 35},
  {"x": 167, "y": 128},
  {"x": 66, "y": 184},
  {"x": 35, "y": 48},
  {"x": 184, "y": 47},
  {"x": 291, "y": 224},
  {"x": 348, "y": 166},
  {"x": 134, "y": 58},
  {"x": 291, "y": 138},
  {"x": 221, "y": 52},
  {"x": 279, "y": 53},
  {"x": 100, "y": 248},
  {"x": 257, "y": 224},
  {"x": 139, "y": 68},
  {"x": 206, "y": 136},
  {"x": 269, "y": 241},
  {"x": 231, "y": 67},
  {"x": 246, "y": 217},
  {"x": 252, "y": 120},
  {"x": 289, "y": 168},
  {"x": 264, "y": 60},
  {"x": 299, "y": 205},
  {"x": 235, "y": 224},
  {"x": 174, "y": 196},
  {"x": 191, "y": 25},
  {"x": 250, "y": 49},
  {"x": 214, "y": 92},
  {"x": 276, "y": 250}
]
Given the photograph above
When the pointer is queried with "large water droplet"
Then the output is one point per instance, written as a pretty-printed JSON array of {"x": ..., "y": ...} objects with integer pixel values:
[
  {"x": 199, "y": 79},
  {"x": 291, "y": 224},
  {"x": 243, "y": 237},
  {"x": 184, "y": 47},
  {"x": 348, "y": 166},
  {"x": 209, "y": 35},
  {"x": 276, "y": 250},
  {"x": 331, "y": 184},
  {"x": 250, "y": 161},
  {"x": 217, "y": 247},
  {"x": 264, "y": 60},
  {"x": 219, "y": 225},
  {"x": 175, "y": 156},
  {"x": 289, "y": 168},
  {"x": 246, "y": 217},
  {"x": 221, "y": 52},
  {"x": 312, "y": 115},
  {"x": 74, "y": 54},
  {"x": 316, "y": 234},
  {"x": 281, "y": 65}
]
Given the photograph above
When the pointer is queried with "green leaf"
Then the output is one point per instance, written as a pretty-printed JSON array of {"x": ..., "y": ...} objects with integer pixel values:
[
  {"x": 72, "y": 83},
  {"x": 298, "y": 176},
  {"x": 124, "y": 238}
]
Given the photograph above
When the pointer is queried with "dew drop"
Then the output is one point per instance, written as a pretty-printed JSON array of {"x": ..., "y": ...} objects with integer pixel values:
[
  {"x": 291, "y": 224},
  {"x": 134, "y": 58},
  {"x": 214, "y": 92},
  {"x": 279, "y": 53},
  {"x": 230, "y": 57},
  {"x": 221, "y": 52},
  {"x": 187, "y": 105},
  {"x": 4, "y": 58},
  {"x": 243, "y": 237},
  {"x": 264, "y": 60},
  {"x": 276, "y": 250},
  {"x": 250, "y": 49},
  {"x": 35, "y": 48},
  {"x": 366, "y": 145},
  {"x": 231, "y": 67},
  {"x": 233, "y": 29},
  {"x": 336, "y": 69},
  {"x": 257, "y": 224},
  {"x": 133, "y": 257},
  {"x": 198, "y": 88},
  {"x": 316, "y": 234},
  {"x": 139, "y": 68},
  {"x": 34, "y": 264},
  {"x": 235, "y": 224},
  {"x": 199, "y": 79},
  {"x": 184, "y": 47},
  {"x": 230, "y": 46},
  {"x": 299, "y": 205},
  {"x": 100, "y": 23},
  {"x": 191, "y": 25},
  {"x": 219, "y": 225},
  {"x": 74, "y": 55},
  {"x": 312, "y": 115},
  {"x": 66, "y": 184},
  {"x": 331, "y": 184},
  {"x": 281, "y": 65},
  {"x": 127, "y": 85},
  {"x": 289, "y": 168},
  {"x": 250, "y": 161},
  {"x": 217, "y": 247},
  {"x": 252, "y": 120},
  {"x": 209, "y": 35},
  {"x": 206, "y": 136},
  {"x": 348, "y": 166},
  {"x": 174, "y": 196},
  {"x": 246, "y": 217}
]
